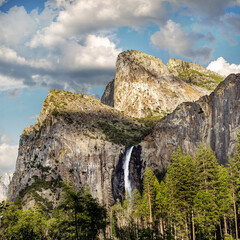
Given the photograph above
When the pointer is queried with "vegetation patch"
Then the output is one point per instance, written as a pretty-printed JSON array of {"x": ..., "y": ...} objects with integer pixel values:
[{"x": 204, "y": 80}]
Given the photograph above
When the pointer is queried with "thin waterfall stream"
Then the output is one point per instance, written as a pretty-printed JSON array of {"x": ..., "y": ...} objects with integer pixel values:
[{"x": 127, "y": 182}]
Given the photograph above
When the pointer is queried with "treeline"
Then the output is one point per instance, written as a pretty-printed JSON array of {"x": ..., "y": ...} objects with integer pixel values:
[
  {"x": 198, "y": 199},
  {"x": 79, "y": 216}
]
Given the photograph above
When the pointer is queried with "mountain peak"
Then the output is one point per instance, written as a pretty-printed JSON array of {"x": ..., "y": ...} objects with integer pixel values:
[{"x": 144, "y": 86}]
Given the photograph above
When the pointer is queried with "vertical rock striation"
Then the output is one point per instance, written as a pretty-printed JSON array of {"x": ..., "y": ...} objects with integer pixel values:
[{"x": 213, "y": 119}]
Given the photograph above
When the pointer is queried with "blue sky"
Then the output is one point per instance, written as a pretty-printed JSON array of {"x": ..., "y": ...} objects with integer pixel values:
[{"x": 73, "y": 45}]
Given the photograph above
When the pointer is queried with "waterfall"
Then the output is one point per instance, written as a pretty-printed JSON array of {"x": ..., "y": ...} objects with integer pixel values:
[{"x": 126, "y": 171}]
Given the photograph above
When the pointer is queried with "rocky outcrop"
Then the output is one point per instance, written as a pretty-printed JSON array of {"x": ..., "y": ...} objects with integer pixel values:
[
  {"x": 144, "y": 86},
  {"x": 76, "y": 139},
  {"x": 213, "y": 119},
  {"x": 194, "y": 74},
  {"x": 4, "y": 182}
]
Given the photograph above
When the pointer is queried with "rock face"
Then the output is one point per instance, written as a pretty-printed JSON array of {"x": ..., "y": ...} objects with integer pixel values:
[
  {"x": 108, "y": 96},
  {"x": 144, "y": 86},
  {"x": 76, "y": 139},
  {"x": 4, "y": 182},
  {"x": 213, "y": 119},
  {"x": 79, "y": 140}
]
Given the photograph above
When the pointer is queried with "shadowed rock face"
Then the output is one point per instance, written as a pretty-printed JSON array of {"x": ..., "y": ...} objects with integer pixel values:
[
  {"x": 212, "y": 119},
  {"x": 108, "y": 95}
]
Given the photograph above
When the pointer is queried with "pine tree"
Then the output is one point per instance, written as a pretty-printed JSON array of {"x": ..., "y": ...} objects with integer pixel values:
[
  {"x": 161, "y": 203},
  {"x": 234, "y": 172},
  {"x": 207, "y": 214},
  {"x": 148, "y": 193},
  {"x": 81, "y": 215},
  {"x": 181, "y": 189},
  {"x": 224, "y": 197},
  {"x": 137, "y": 205}
]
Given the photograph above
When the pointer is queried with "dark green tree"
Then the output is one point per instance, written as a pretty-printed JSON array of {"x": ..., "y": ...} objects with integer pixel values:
[
  {"x": 17, "y": 224},
  {"x": 207, "y": 214},
  {"x": 234, "y": 172},
  {"x": 161, "y": 203},
  {"x": 148, "y": 194},
  {"x": 224, "y": 198},
  {"x": 80, "y": 216},
  {"x": 181, "y": 190}
]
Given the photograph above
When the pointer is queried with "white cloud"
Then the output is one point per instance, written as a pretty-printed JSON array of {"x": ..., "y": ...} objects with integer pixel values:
[
  {"x": 8, "y": 55},
  {"x": 172, "y": 38},
  {"x": 2, "y": 2},
  {"x": 63, "y": 60},
  {"x": 5, "y": 138},
  {"x": 9, "y": 83},
  {"x": 17, "y": 26},
  {"x": 8, "y": 155},
  {"x": 222, "y": 67},
  {"x": 96, "y": 53},
  {"x": 81, "y": 18},
  {"x": 69, "y": 45}
]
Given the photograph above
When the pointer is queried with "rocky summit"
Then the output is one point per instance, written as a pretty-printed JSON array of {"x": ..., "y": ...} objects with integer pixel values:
[
  {"x": 80, "y": 140},
  {"x": 144, "y": 86}
]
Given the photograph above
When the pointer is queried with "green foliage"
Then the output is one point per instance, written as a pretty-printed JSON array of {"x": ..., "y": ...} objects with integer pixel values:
[
  {"x": 206, "y": 214},
  {"x": 207, "y": 168},
  {"x": 161, "y": 201},
  {"x": 122, "y": 132},
  {"x": 224, "y": 193},
  {"x": 79, "y": 215},
  {"x": 148, "y": 194},
  {"x": 204, "y": 80},
  {"x": 38, "y": 186},
  {"x": 17, "y": 224},
  {"x": 196, "y": 201}
]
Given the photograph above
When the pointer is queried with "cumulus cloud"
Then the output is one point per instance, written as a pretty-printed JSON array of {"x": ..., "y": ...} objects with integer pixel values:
[
  {"x": 69, "y": 45},
  {"x": 62, "y": 61},
  {"x": 79, "y": 18},
  {"x": 5, "y": 138},
  {"x": 8, "y": 155},
  {"x": 222, "y": 67},
  {"x": 172, "y": 38},
  {"x": 2, "y": 2},
  {"x": 9, "y": 83}
]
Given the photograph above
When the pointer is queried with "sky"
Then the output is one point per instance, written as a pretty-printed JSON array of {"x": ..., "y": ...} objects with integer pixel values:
[{"x": 72, "y": 45}]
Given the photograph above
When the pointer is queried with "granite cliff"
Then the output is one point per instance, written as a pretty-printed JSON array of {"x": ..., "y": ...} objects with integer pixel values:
[
  {"x": 213, "y": 119},
  {"x": 144, "y": 86},
  {"x": 78, "y": 139}
]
